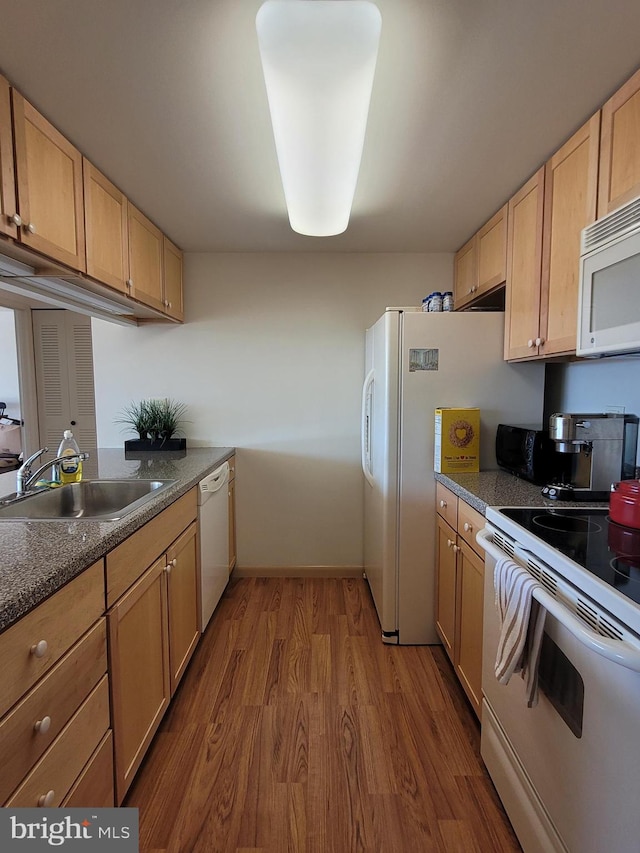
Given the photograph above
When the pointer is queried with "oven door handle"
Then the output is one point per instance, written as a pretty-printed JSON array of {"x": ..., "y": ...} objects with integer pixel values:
[{"x": 617, "y": 651}]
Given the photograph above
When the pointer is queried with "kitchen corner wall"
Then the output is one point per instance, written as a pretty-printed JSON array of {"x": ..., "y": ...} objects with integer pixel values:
[
  {"x": 594, "y": 385},
  {"x": 270, "y": 360}
]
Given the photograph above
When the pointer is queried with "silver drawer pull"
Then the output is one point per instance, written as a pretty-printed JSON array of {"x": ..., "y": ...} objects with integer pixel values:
[
  {"x": 46, "y": 799},
  {"x": 42, "y": 726},
  {"x": 40, "y": 649}
]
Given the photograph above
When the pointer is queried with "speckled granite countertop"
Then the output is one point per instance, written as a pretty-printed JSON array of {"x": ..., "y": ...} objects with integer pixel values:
[
  {"x": 40, "y": 557},
  {"x": 498, "y": 488}
]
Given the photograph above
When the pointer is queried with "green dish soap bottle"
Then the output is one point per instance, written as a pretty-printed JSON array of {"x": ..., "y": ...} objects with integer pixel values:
[{"x": 69, "y": 471}]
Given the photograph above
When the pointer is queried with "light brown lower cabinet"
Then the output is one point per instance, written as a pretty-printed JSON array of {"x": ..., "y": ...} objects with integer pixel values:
[
  {"x": 459, "y": 590},
  {"x": 152, "y": 628},
  {"x": 94, "y": 786},
  {"x": 55, "y": 773},
  {"x": 54, "y": 695},
  {"x": 183, "y": 604},
  {"x": 139, "y": 660}
]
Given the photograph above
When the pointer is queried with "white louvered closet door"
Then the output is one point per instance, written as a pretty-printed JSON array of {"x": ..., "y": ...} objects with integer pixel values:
[{"x": 64, "y": 377}]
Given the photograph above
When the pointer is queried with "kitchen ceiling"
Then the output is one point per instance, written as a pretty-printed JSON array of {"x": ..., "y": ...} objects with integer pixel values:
[{"x": 167, "y": 99}]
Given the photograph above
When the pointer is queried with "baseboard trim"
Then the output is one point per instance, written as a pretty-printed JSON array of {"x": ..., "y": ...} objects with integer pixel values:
[{"x": 297, "y": 572}]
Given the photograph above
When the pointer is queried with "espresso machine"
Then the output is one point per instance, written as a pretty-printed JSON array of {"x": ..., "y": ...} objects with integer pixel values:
[{"x": 600, "y": 449}]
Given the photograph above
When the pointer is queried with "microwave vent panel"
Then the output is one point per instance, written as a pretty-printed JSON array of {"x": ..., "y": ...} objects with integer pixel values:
[{"x": 610, "y": 227}]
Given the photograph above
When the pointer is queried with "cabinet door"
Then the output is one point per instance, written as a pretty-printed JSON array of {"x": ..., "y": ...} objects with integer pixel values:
[
  {"x": 465, "y": 276},
  {"x": 446, "y": 548},
  {"x": 470, "y": 594},
  {"x": 182, "y": 587},
  {"x": 63, "y": 350},
  {"x": 524, "y": 269},
  {"x": 173, "y": 302},
  {"x": 105, "y": 212},
  {"x": 139, "y": 657},
  {"x": 145, "y": 259},
  {"x": 49, "y": 177},
  {"x": 570, "y": 190},
  {"x": 492, "y": 252},
  {"x": 7, "y": 179},
  {"x": 620, "y": 148}
]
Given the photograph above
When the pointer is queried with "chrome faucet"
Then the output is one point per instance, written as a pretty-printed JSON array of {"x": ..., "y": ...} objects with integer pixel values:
[{"x": 25, "y": 477}]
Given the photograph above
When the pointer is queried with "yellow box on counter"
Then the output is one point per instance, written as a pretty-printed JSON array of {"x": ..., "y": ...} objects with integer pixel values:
[{"x": 457, "y": 441}]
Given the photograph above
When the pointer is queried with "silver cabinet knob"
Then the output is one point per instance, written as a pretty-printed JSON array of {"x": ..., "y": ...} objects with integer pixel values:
[
  {"x": 467, "y": 527},
  {"x": 15, "y": 218},
  {"x": 30, "y": 227},
  {"x": 39, "y": 649},
  {"x": 539, "y": 342},
  {"x": 46, "y": 799},
  {"x": 42, "y": 726}
]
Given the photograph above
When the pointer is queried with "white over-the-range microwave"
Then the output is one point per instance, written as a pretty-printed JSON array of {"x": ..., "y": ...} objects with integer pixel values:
[{"x": 609, "y": 298}]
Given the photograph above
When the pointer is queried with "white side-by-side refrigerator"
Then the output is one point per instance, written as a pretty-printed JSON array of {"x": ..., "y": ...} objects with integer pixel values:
[{"x": 415, "y": 363}]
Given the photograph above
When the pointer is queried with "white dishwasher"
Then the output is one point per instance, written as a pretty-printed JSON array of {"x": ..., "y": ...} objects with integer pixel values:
[{"x": 213, "y": 514}]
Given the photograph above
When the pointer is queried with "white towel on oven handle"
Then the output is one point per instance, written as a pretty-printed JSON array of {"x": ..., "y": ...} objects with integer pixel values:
[{"x": 521, "y": 620}]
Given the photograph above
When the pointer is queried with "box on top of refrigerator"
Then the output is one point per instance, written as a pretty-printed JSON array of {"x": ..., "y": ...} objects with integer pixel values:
[{"x": 457, "y": 441}]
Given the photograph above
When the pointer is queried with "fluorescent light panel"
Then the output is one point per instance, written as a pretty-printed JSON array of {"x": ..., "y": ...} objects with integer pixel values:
[{"x": 318, "y": 60}]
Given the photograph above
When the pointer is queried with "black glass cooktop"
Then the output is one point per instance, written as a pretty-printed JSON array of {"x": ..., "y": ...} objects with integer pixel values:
[{"x": 591, "y": 539}]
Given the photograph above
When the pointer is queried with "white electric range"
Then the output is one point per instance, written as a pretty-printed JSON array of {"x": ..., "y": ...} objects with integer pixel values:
[{"x": 568, "y": 769}]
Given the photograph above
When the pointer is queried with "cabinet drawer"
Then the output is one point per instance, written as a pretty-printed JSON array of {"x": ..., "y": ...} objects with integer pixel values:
[
  {"x": 470, "y": 521},
  {"x": 94, "y": 787},
  {"x": 48, "y": 631},
  {"x": 35, "y": 722},
  {"x": 52, "y": 777},
  {"x": 447, "y": 505},
  {"x": 127, "y": 562}
]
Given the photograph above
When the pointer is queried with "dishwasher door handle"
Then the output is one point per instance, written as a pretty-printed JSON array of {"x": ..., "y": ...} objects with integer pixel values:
[{"x": 214, "y": 482}]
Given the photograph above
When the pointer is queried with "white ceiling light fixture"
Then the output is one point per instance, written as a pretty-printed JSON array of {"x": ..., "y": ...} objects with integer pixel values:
[{"x": 318, "y": 59}]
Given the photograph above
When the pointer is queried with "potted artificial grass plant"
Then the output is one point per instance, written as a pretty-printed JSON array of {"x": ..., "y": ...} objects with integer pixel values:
[{"x": 157, "y": 423}]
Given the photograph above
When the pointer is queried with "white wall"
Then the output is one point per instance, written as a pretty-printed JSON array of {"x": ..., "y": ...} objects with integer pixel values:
[
  {"x": 270, "y": 360},
  {"x": 9, "y": 386}
]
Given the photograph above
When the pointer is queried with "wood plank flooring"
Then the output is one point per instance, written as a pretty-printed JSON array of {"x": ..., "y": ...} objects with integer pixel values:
[{"x": 296, "y": 729}]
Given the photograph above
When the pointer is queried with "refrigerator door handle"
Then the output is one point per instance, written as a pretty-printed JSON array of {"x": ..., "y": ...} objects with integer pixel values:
[{"x": 365, "y": 432}]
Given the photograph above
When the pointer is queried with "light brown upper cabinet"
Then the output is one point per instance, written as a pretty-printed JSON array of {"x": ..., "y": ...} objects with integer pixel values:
[
  {"x": 126, "y": 251},
  {"x": 524, "y": 266},
  {"x": 465, "y": 274},
  {"x": 49, "y": 179},
  {"x": 492, "y": 252},
  {"x": 481, "y": 264},
  {"x": 105, "y": 212},
  {"x": 619, "y": 180},
  {"x": 546, "y": 218},
  {"x": 8, "y": 212},
  {"x": 570, "y": 191},
  {"x": 173, "y": 280},
  {"x": 146, "y": 252}
]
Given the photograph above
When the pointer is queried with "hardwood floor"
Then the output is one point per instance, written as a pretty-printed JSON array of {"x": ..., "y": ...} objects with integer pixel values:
[{"x": 296, "y": 729}]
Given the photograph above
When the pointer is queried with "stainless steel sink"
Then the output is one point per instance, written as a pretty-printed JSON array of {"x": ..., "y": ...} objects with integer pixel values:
[{"x": 102, "y": 500}]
